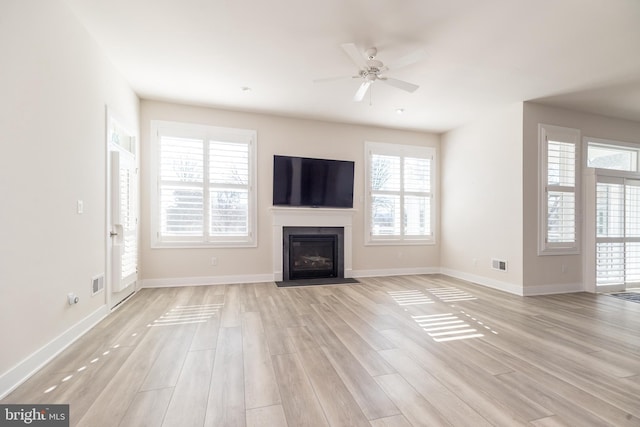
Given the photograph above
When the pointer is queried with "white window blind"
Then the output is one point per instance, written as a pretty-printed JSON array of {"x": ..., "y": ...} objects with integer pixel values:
[
  {"x": 129, "y": 220},
  {"x": 561, "y": 192},
  {"x": 399, "y": 197},
  {"x": 229, "y": 188},
  {"x": 559, "y": 195},
  {"x": 205, "y": 186},
  {"x": 181, "y": 186}
]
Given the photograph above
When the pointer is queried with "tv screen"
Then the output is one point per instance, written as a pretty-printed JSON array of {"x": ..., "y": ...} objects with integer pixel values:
[{"x": 301, "y": 181}]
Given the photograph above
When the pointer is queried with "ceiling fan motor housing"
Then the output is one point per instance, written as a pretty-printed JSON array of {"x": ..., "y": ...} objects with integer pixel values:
[{"x": 371, "y": 53}]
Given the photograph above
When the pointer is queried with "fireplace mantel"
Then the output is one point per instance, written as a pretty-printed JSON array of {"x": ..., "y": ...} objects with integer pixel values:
[{"x": 310, "y": 217}]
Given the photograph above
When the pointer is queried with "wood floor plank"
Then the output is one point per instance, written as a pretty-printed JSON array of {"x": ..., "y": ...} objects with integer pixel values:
[
  {"x": 147, "y": 408},
  {"x": 338, "y": 403},
  {"x": 230, "y": 316},
  {"x": 260, "y": 386},
  {"x": 268, "y": 416},
  {"x": 414, "y": 407},
  {"x": 116, "y": 396},
  {"x": 189, "y": 400},
  {"x": 394, "y": 421},
  {"x": 550, "y": 377},
  {"x": 168, "y": 363},
  {"x": 275, "y": 329},
  {"x": 226, "y": 393},
  {"x": 553, "y": 421},
  {"x": 206, "y": 334},
  {"x": 366, "y": 355},
  {"x": 370, "y": 397},
  {"x": 299, "y": 401},
  {"x": 494, "y": 411},
  {"x": 452, "y": 408},
  {"x": 376, "y": 340},
  {"x": 367, "y": 393},
  {"x": 549, "y": 399}
]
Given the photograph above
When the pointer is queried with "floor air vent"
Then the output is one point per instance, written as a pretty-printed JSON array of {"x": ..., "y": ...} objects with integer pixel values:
[{"x": 499, "y": 264}]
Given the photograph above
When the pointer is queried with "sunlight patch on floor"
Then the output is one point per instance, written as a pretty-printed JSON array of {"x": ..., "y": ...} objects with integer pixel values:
[
  {"x": 451, "y": 294},
  {"x": 446, "y": 327},
  {"x": 413, "y": 297},
  {"x": 187, "y": 314}
]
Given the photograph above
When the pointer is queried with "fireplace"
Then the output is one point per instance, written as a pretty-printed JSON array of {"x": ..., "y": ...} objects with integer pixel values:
[
  {"x": 312, "y": 253},
  {"x": 305, "y": 219}
]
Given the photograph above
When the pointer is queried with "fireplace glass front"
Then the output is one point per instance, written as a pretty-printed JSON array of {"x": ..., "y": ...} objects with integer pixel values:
[{"x": 313, "y": 256}]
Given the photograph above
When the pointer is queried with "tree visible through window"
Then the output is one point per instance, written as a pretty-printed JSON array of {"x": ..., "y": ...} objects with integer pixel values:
[{"x": 399, "y": 192}]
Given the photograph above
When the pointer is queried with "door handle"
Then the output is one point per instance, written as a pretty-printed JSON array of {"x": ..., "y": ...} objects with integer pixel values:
[{"x": 113, "y": 233}]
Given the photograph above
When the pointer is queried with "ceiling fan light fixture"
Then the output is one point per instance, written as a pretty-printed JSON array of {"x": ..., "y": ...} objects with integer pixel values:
[{"x": 371, "y": 69}]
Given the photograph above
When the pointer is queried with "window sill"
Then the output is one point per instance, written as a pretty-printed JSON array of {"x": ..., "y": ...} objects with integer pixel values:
[
  {"x": 391, "y": 242},
  {"x": 203, "y": 245}
]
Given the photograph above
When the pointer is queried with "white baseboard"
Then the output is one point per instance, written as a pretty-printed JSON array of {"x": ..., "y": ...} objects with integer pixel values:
[
  {"x": 481, "y": 280},
  {"x": 561, "y": 288},
  {"x": 30, "y": 365},
  {"x": 395, "y": 272},
  {"x": 484, "y": 281},
  {"x": 261, "y": 278},
  {"x": 202, "y": 281}
]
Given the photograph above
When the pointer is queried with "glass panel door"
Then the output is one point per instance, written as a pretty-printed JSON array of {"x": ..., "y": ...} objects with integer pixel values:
[
  {"x": 617, "y": 233},
  {"x": 632, "y": 232},
  {"x": 610, "y": 265}
]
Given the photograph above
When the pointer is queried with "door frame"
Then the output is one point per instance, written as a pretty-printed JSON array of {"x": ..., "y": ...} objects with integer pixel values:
[{"x": 113, "y": 119}]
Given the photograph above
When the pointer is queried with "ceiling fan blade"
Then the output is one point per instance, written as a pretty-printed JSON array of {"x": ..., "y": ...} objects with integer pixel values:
[
  {"x": 407, "y": 60},
  {"x": 355, "y": 55},
  {"x": 332, "y": 79},
  {"x": 362, "y": 91},
  {"x": 400, "y": 84}
]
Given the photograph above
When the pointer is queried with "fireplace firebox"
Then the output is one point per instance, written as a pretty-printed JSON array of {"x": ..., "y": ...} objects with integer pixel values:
[{"x": 313, "y": 253}]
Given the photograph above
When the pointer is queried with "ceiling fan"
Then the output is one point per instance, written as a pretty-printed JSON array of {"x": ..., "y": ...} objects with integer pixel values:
[{"x": 371, "y": 69}]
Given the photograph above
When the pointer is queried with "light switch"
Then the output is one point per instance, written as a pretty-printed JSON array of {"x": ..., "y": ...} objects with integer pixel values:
[{"x": 80, "y": 207}]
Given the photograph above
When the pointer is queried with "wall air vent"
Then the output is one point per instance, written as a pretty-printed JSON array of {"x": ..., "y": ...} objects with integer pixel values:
[
  {"x": 497, "y": 264},
  {"x": 97, "y": 284}
]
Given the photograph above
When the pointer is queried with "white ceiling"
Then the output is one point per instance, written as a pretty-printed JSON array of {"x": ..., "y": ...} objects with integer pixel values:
[{"x": 583, "y": 54}]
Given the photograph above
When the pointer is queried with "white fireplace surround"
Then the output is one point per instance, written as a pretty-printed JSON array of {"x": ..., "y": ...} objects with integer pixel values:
[{"x": 311, "y": 217}]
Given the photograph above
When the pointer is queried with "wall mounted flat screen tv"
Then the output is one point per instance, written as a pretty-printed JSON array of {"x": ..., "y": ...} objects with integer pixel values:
[{"x": 302, "y": 181}]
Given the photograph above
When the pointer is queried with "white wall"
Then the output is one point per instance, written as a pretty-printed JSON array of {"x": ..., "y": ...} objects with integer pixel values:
[
  {"x": 55, "y": 84},
  {"x": 482, "y": 199},
  {"x": 545, "y": 273},
  {"x": 276, "y": 135}
]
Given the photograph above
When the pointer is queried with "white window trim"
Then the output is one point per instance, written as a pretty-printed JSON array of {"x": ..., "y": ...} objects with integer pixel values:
[
  {"x": 395, "y": 150},
  {"x": 188, "y": 130},
  {"x": 567, "y": 135}
]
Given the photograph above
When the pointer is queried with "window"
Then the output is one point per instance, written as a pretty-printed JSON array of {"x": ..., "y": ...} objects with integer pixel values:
[
  {"x": 399, "y": 196},
  {"x": 203, "y": 186},
  {"x": 613, "y": 155},
  {"x": 559, "y": 194}
]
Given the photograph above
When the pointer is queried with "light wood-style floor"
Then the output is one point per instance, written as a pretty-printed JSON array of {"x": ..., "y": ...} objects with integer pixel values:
[{"x": 400, "y": 351}]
